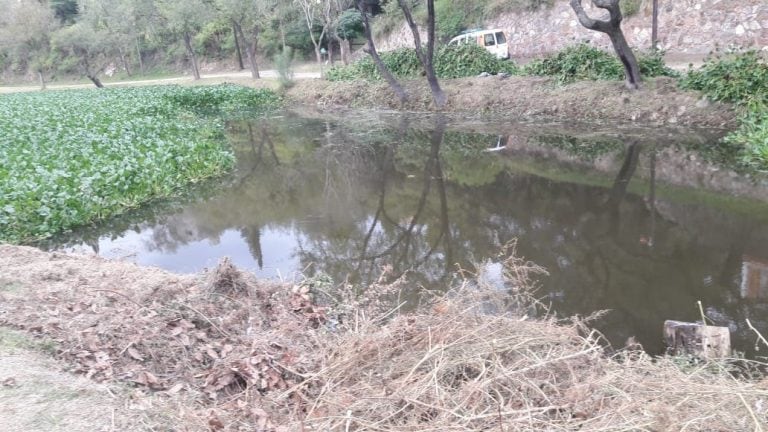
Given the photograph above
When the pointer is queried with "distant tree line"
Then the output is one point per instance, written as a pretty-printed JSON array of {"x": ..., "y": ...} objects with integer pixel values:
[{"x": 50, "y": 37}]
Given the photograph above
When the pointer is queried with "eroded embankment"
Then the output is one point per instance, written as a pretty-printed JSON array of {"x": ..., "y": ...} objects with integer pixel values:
[
  {"x": 659, "y": 102},
  {"x": 223, "y": 351}
]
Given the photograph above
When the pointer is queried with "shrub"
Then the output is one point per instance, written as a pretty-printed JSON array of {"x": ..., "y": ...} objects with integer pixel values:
[
  {"x": 450, "y": 62},
  {"x": 284, "y": 66},
  {"x": 730, "y": 78},
  {"x": 741, "y": 79},
  {"x": 584, "y": 62},
  {"x": 470, "y": 60}
]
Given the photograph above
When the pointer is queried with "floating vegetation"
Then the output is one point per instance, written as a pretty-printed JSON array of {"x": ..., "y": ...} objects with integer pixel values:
[{"x": 72, "y": 157}]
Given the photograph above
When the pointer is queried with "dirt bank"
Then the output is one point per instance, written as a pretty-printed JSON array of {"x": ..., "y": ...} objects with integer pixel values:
[
  {"x": 659, "y": 102},
  {"x": 223, "y": 351}
]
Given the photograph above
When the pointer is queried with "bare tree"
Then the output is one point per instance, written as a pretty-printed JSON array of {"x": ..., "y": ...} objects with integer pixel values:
[
  {"x": 612, "y": 28},
  {"x": 312, "y": 10},
  {"x": 426, "y": 59},
  {"x": 364, "y": 7}
]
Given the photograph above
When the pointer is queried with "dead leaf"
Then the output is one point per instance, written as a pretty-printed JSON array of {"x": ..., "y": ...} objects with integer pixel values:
[
  {"x": 134, "y": 353},
  {"x": 9, "y": 382}
]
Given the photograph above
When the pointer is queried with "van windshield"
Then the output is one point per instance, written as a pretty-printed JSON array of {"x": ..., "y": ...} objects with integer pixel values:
[{"x": 500, "y": 39}]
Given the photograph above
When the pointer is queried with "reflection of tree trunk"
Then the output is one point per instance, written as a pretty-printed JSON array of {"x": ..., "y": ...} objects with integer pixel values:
[
  {"x": 652, "y": 198},
  {"x": 192, "y": 56},
  {"x": 252, "y": 237},
  {"x": 620, "y": 184}
]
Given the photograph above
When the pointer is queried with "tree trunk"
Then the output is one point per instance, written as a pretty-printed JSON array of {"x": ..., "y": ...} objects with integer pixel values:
[
  {"x": 41, "y": 77},
  {"x": 655, "y": 26},
  {"x": 192, "y": 56},
  {"x": 251, "y": 50},
  {"x": 125, "y": 62},
  {"x": 348, "y": 49},
  {"x": 427, "y": 60},
  {"x": 238, "y": 53},
  {"x": 330, "y": 52},
  {"x": 282, "y": 33},
  {"x": 342, "y": 50},
  {"x": 371, "y": 50},
  {"x": 139, "y": 56},
  {"x": 612, "y": 28},
  {"x": 95, "y": 80},
  {"x": 627, "y": 57}
]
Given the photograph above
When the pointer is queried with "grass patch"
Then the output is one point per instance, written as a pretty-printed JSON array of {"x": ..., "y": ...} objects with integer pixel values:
[
  {"x": 68, "y": 158},
  {"x": 13, "y": 340}
]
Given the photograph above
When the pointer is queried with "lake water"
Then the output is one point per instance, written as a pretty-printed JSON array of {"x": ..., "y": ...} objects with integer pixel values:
[{"x": 631, "y": 221}]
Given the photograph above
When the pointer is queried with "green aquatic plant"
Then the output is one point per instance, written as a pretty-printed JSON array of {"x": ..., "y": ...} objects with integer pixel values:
[{"x": 68, "y": 158}]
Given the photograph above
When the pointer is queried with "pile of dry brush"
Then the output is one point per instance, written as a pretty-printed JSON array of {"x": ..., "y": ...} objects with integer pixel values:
[{"x": 227, "y": 352}]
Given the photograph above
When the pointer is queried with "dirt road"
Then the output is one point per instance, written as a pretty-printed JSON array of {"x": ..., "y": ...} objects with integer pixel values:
[{"x": 183, "y": 80}]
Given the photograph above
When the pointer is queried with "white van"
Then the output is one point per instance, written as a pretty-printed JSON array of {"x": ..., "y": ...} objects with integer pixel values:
[{"x": 493, "y": 40}]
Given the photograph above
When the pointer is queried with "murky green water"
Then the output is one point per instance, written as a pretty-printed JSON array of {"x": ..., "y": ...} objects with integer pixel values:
[{"x": 624, "y": 222}]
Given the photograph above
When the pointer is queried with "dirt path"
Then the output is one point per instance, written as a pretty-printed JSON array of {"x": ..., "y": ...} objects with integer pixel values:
[
  {"x": 184, "y": 80},
  {"x": 37, "y": 395}
]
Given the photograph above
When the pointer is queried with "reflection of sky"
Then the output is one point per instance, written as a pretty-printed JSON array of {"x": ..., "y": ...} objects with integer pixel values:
[{"x": 279, "y": 246}]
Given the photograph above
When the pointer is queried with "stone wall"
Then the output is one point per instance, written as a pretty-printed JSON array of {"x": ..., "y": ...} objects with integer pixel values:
[{"x": 686, "y": 27}]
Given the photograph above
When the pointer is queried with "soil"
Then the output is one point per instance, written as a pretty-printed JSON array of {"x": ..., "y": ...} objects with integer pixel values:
[{"x": 658, "y": 102}]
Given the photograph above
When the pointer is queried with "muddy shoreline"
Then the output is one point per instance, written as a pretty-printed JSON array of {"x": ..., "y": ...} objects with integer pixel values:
[{"x": 658, "y": 102}]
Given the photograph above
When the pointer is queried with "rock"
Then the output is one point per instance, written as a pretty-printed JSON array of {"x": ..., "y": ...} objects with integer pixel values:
[
  {"x": 503, "y": 75},
  {"x": 484, "y": 75},
  {"x": 703, "y": 103}
]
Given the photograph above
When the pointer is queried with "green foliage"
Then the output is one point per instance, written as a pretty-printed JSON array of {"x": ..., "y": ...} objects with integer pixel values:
[
  {"x": 450, "y": 62},
  {"x": 730, "y": 78},
  {"x": 71, "y": 157},
  {"x": 629, "y": 7},
  {"x": 349, "y": 25},
  {"x": 584, "y": 62},
  {"x": 470, "y": 60},
  {"x": 741, "y": 79},
  {"x": 453, "y": 16},
  {"x": 283, "y": 64}
]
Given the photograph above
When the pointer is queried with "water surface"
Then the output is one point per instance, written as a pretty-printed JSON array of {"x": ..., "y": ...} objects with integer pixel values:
[{"x": 633, "y": 223}]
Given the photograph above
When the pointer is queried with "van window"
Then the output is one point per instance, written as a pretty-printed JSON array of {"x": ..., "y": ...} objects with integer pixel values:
[
  {"x": 500, "y": 39},
  {"x": 489, "y": 39}
]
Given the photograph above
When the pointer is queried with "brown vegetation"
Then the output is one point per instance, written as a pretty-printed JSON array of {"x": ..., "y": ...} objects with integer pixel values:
[{"x": 227, "y": 352}]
